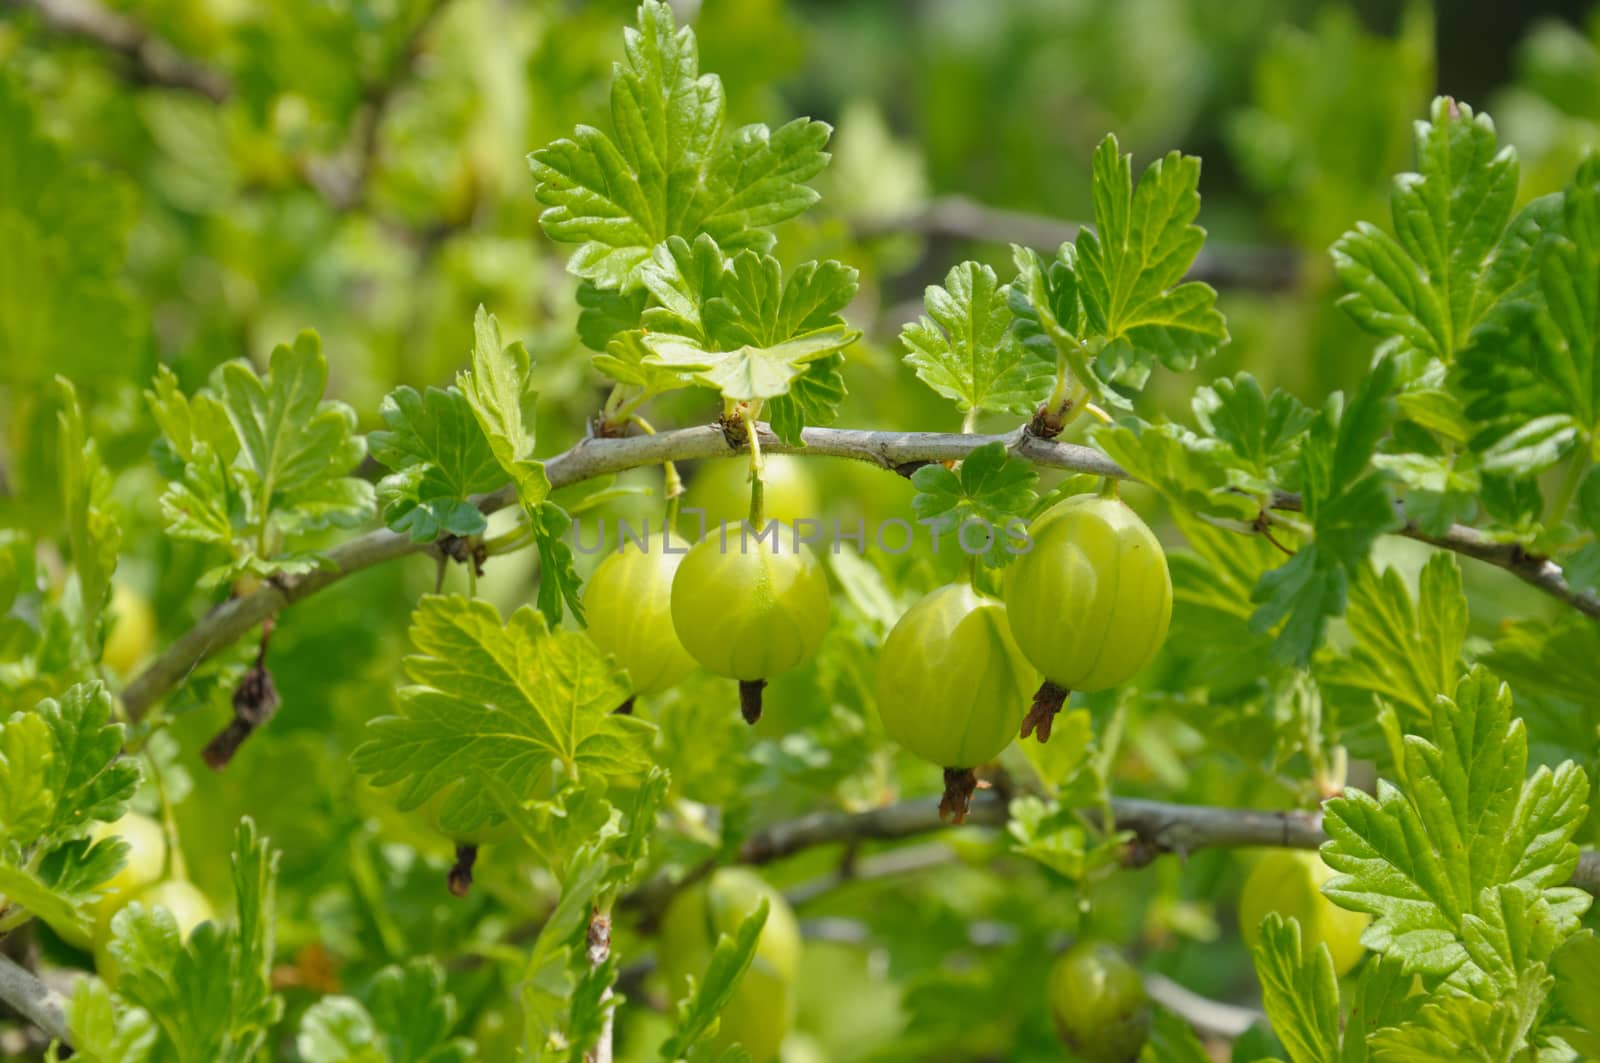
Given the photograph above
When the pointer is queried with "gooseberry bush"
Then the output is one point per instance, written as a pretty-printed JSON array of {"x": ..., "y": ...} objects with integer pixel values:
[{"x": 1110, "y": 726}]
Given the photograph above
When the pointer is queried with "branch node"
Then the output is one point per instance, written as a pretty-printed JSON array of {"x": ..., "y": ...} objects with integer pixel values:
[
  {"x": 463, "y": 549},
  {"x": 1047, "y": 423},
  {"x": 733, "y": 430}
]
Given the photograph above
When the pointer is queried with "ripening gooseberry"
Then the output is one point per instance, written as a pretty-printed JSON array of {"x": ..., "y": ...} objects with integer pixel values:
[
  {"x": 1101, "y": 1010},
  {"x": 750, "y": 607},
  {"x": 628, "y": 601},
  {"x": 1090, "y": 602},
  {"x": 952, "y": 685}
]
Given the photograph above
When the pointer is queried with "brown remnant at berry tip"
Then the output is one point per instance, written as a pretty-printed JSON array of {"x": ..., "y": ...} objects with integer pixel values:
[
  {"x": 1042, "y": 714},
  {"x": 959, "y": 786},
  {"x": 750, "y": 698},
  {"x": 461, "y": 871}
]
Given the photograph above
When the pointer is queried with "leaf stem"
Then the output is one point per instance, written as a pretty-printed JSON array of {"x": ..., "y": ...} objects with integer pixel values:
[
  {"x": 1578, "y": 465},
  {"x": 671, "y": 482},
  {"x": 758, "y": 471}
]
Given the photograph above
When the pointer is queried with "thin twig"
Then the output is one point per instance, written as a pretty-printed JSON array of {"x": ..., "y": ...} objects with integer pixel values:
[
  {"x": 1158, "y": 828},
  {"x": 893, "y": 863},
  {"x": 32, "y": 999},
  {"x": 345, "y": 180},
  {"x": 599, "y": 951},
  {"x": 342, "y": 179},
  {"x": 1225, "y": 265},
  {"x": 595, "y": 457},
  {"x": 1209, "y": 1017},
  {"x": 151, "y": 60}
]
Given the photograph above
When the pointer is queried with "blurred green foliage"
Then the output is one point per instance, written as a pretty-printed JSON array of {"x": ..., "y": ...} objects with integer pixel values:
[{"x": 361, "y": 171}]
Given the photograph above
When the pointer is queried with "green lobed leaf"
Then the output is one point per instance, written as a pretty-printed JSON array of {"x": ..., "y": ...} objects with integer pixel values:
[
  {"x": 669, "y": 168},
  {"x": 441, "y": 459},
  {"x": 295, "y": 447},
  {"x": 1299, "y": 991},
  {"x": 502, "y": 699},
  {"x": 1263, "y": 433},
  {"x": 1131, "y": 264},
  {"x": 499, "y": 390},
  {"x": 1406, "y": 654},
  {"x": 1531, "y": 370},
  {"x": 1452, "y": 256},
  {"x": 1348, "y": 506},
  {"x": 406, "y": 1017},
  {"x": 695, "y": 1014},
  {"x": 337, "y": 1029},
  {"x": 1576, "y": 967},
  {"x": 92, "y": 529},
  {"x": 188, "y": 423},
  {"x": 560, "y": 588},
  {"x": 210, "y": 995},
  {"x": 547, "y": 982},
  {"x": 1047, "y": 313},
  {"x": 992, "y": 491},
  {"x": 1383, "y": 998},
  {"x": 1172, "y": 1041},
  {"x": 1554, "y": 657},
  {"x": 103, "y": 1028},
  {"x": 61, "y": 770},
  {"x": 738, "y": 325},
  {"x": 592, "y": 1005},
  {"x": 1423, "y": 858},
  {"x": 964, "y": 347},
  {"x": 1186, "y": 470},
  {"x": 603, "y": 314},
  {"x": 1463, "y": 1027}
]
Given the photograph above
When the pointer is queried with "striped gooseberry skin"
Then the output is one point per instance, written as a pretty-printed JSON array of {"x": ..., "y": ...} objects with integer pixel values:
[
  {"x": 952, "y": 684},
  {"x": 1089, "y": 604},
  {"x": 628, "y": 601},
  {"x": 750, "y": 607}
]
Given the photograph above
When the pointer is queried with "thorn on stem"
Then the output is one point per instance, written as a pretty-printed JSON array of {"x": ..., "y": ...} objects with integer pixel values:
[
  {"x": 1042, "y": 713},
  {"x": 460, "y": 879},
  {"x": 750, "y": 699},
  {"x": 959, "y": 785}
]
